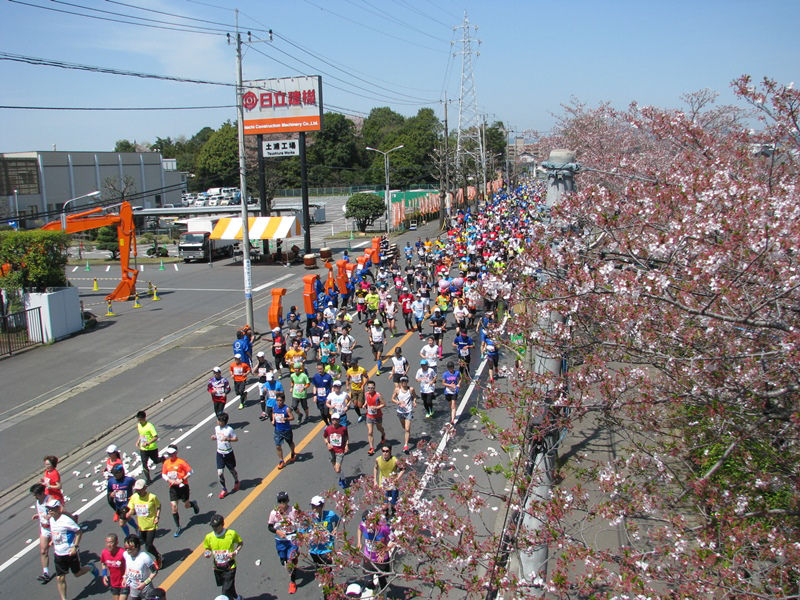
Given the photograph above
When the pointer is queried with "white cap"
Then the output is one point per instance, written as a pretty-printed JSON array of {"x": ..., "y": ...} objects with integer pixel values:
[
  {"x": 337, "y": 382},
  {"x": 54, "y": 502},
  {"x": 330, "y": 303},
  {"x": 237, "y": 355},
  {"x": 217, "y": 370},
  {"x": 353, "y": 590},
  {"x": 336, "y": 416},
  {"x": 111, "y": 448},
  {"x": 270, "y": 376},
  {"x": 140, "y": 484},
  {"x": 170, "y": 450},
  {"x": 260, "y": 355},
  {"x": 276, "y": 330},
  {"x": 317, "y": 501}
]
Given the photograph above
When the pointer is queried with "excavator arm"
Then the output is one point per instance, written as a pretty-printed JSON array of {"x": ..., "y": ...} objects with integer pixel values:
[{"x": 126, "y": 235}]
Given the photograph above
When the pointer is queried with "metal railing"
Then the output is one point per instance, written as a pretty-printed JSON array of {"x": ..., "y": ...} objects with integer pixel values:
[{"x": 20, "y": 330}]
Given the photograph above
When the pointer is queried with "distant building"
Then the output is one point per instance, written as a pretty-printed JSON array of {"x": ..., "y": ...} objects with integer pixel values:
[{"x": 45, "y": 180}]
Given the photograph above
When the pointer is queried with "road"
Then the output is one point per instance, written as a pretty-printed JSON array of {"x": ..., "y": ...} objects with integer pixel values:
[{"x": 75, "y": 397}]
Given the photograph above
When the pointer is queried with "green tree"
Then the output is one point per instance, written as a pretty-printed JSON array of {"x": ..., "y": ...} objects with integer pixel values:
[
  {"x": 333, "y": 157},
  {"x": 125, "y": 146},
  {"x": 365, "y": 208},
  {"x": 107, "y": 240},
  {"x": 36, "y": 258},
  {"x": 217, "y": 162},
  {"x": 381, "y": 126}
]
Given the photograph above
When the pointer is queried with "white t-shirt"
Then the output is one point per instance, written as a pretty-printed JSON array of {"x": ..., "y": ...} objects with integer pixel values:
[
  {"x": 338, "y": 402},
  {"x": 399, "y": 365},
  {"x": 460, "y": 312},
  {"x": 223, "y": 435},
  {"x": 430, "y": 353},
  {"x": 405, "y": 401},
  {"x": 346, "y": 343},
  {"x": 376, "y": 334},
  {"x": 137, "y": 568},
  {"x": 426, "y": 380},
  {"x": 64, "y": 531}
]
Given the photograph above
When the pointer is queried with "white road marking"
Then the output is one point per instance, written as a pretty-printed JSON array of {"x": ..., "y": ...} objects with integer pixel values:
[
  {"x": 272, "y": 283},
  {"x": 90, "y": 503},
  {"x": 108, "y": 268},
  {"x": 175, "y": 265},
  {"x": 74, "y": 269},
  {"x": 141, "y": 268},
  {"x": 361, "y": 244}
]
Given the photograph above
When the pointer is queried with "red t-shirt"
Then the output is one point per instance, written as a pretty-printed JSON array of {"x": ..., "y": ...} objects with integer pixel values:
[
  {"x": 240, "y": 371},
  {"x": 115, "y": 563},
  {"x": 373, "y": 400},
  {"x": 337, "y": 437},
  {"x": 50, "y": 478},
  {"x": 175, "y": 471}
]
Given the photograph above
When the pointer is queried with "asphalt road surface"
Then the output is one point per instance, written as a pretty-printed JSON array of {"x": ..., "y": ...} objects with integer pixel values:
[{"x": 76, "y": 396}]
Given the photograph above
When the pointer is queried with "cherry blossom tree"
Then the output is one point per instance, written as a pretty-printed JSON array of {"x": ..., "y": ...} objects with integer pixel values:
[{"x": 675, "y": 270}]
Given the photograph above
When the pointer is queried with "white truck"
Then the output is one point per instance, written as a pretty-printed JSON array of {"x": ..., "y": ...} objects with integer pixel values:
[{"x": 196, "y": 243}]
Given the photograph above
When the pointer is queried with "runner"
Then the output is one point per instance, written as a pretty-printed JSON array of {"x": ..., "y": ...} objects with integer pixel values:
[
  {"x": 376, "y": 336},
  {"x": 300, "y": 385},
  {"x": 361, "y": 303},
  {"x": 356, "y": 376},
  {"x": 335, "y": 370},
  {"x": 66, "y": 537},
  {"x": 338, "y": 401},
  {"x": 375, "y": 406},
  {"x": 390, "y": 310},
  {"x": 140, "y": 569},
  {"x": 325, "y": 523},
  {"x": 451, "y": 380},
  {"x": 283, "y": 523},
  {"x": 374, "y": 540},
  {"x": 219, "y": 388},
  {"x": 279, "y": 351},
  {"x": 406, "y": 299},
  {"x": 438, "y": 324},
  {"x": 399, "y": 366},
  {"x": 225, "y": 436},
  {"x": 267, "y": 393},
  {"x": 221, "y": 546},
  {"x": 147, "y": 509},
  {"x": 242, "y": 346},
  {"x": 295, "y": 357},
  {"x": 489, "y": 349},
  {"x": 418, "y": 310},
  {"x": 239, "y": 371},
  {"x": 406, "y": 400},
  {"x": 51, "y": 479},
  {"x": 373, "y": 301},
  {"x": 431, "y": 352},
  {"x": 337, "y": 441},
  {"x": 147, "y": 443},
  {"x": 326, "y": 348},
  {"x": 113, "y": 458},
  {"x": 176, "y": 472},
  {"x": 321, "y": 385},
  {"x": 463, "y": 345},
  {"x": 426, "y": 377},
  {"x": 112, "y": 559},
  {"x": 387, "y": 472},
  {"x": 461, "y": 314},
  {"x": 119, "y": 489},
  {"x": 38, "y": 492},
  {"x": 346, "y": 343},
  {"x": 282, "y": 417}
]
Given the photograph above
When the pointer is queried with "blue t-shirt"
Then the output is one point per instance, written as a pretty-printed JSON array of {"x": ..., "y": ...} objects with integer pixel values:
[
  {"x": 450, "y": 377},
  {"x": 120, "y": 490},
  {"x": 491, "y": 348},
  {"x": 280, "y": 414},
  {"x": 328, "y": 521},
  {"x": 463, "y": 342},
  {"x": 323, "y": 383},
  {"x": 270, "y": 389}
]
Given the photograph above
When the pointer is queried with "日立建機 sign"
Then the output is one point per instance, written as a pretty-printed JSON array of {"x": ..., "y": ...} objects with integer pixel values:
[
  {"x": 282, "y": 105},
  {"x": 273, "y": 148}
]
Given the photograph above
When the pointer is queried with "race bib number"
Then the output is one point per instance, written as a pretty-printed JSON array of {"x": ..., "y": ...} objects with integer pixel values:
[
  {"x": 280, "y": 417},
  {"x": 222, "y": 557},
  {"x": 336, "y": 439},
  {"x": 140, "y": 510},
  {"x": 437, "y": 330},
  {"x": 372, "y": 411},
  {"x": 490, "y": 348},
  {"x": 121, "y": 495},
  {"x": 463, "y": 352},
  {"x": 321, "y": 393},
  {"x": 172, "y": 475},
  {"x": 356, "y": 378},
  {"x": 134, "y": 576},
  {"x": 142, "y": 442}
]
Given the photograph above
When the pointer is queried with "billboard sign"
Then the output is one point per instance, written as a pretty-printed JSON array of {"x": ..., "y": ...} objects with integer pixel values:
[
  {"x": 282, "y": 105},
  {"x": 274, "y": 148}
]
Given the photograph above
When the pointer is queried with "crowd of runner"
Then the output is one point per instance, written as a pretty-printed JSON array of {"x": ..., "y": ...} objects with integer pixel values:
[{"x": 444, "y": 290}]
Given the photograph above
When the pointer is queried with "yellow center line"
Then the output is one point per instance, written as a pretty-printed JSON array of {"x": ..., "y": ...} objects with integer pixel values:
[{"x": 187, "y": 563}]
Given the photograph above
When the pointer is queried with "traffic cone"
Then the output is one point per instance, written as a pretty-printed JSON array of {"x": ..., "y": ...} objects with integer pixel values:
[
  {"x": 109, "y": 312},
  {"x": 161, "y": 268},
  {"x": 136, "y": 301},
  {"x": 155, "y": 294},
  {"x": 95, "y": 287},
  {"x": 88, "y": 268}
]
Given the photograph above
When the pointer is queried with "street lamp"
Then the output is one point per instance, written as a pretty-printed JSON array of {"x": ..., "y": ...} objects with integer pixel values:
[
  {"x": 386, "y": 176},
  {"x": 64, "y": 207}
]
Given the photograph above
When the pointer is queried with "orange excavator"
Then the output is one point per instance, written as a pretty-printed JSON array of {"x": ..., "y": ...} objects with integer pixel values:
[{"x": 126, "y": 234}]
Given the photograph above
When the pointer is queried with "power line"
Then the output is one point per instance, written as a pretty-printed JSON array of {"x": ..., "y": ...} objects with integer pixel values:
[
  {"x": 169, "y": 14},
  {"x": 419, "y": 12},
  {"x": 46, "y": 62},
  {"x": 69, "y": 12},
  {"x": 384, "y": 15},
  {"x": 385, "y": 33},
  {"x": 101, "y": 108}
]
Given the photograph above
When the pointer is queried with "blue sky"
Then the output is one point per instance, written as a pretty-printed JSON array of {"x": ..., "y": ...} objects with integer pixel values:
[{"x": 534, "y": 56}]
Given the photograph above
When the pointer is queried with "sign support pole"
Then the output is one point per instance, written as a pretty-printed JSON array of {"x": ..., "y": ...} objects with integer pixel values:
[{"x": 304, "y": 184}]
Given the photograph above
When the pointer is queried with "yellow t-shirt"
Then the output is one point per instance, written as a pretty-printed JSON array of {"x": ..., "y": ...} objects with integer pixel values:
[
  {"x": 145, "y": 509},
  {"x": 357, "y": 377}
]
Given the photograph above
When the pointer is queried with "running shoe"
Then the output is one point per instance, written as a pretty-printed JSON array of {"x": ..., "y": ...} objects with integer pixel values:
[
  {"x": 195, "y": 507},
  {"x": 222, "y": 494},
  {"x": 371, "y": 451},
  {"x": 235, "y": 487},
  {"x": 178, "y": 531},
  {"x": 45, "y": 577},
  {"x": 292, "y": 587},
  {"x": 405, "y": 449},
  {"x": 241, "y": 405},
  {"x": 361, "y": 418},
  {"x": 262, "y": 416}
]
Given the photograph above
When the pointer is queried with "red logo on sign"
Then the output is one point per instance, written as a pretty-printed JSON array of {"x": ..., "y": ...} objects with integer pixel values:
[{"x": 249, "y": 100}]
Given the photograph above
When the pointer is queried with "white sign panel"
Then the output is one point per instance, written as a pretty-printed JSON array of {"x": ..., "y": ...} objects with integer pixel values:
[{"x": 273, "y": 148}]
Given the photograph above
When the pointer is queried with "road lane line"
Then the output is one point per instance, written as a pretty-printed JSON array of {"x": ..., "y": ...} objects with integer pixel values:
[
  {"x": 272, "y": 283},
  {"x": 361, "y": 244},
  {"x": 187, "y": 562},
  {"x": 108, "y": 268},
  {"x": 74, "y": 269},
  {"x": 175, "y": 265}
]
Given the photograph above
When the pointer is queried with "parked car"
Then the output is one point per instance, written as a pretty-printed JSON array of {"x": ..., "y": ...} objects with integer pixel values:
[{"x": 200, "y": 202}]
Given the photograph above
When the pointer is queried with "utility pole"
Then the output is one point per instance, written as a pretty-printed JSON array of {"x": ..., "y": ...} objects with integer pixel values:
[
  {"x": 248, "y": 280},
  {"x": 443, "y": 195}
]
